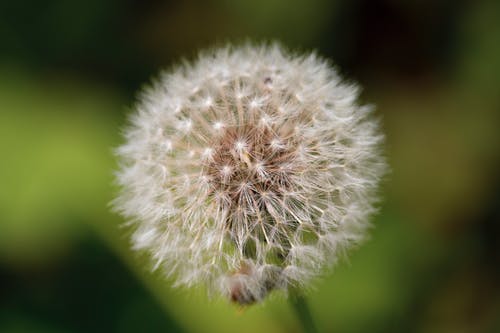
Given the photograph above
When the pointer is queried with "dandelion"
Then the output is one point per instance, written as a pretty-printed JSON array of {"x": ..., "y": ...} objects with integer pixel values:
[{"x": 249, "y": 170}]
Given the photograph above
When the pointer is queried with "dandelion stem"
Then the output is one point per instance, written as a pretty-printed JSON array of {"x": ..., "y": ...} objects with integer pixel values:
[{"x": 300, "y": 307}]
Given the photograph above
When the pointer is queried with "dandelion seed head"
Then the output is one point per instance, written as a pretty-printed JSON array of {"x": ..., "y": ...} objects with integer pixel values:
[{"x": 249, "y": 171}]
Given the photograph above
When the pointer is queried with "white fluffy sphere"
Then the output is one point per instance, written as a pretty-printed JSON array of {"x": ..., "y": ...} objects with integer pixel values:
[{"x": 249, "y": 170}]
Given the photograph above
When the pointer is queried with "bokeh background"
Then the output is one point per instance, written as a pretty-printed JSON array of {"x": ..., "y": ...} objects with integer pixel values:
[{"x": 69, "y": 73}]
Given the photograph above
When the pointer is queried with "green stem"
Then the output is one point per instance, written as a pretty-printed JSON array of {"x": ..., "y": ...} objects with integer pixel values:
[{"x": 300, "y": 307}]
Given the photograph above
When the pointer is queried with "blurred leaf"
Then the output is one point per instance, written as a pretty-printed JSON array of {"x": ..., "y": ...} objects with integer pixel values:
[
  {"x": 479, "y": 51},
  {"x": 56, "y": 161}
]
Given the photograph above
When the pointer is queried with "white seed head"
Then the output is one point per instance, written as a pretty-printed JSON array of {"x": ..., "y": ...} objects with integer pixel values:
[{"x": 250, "y": 170}]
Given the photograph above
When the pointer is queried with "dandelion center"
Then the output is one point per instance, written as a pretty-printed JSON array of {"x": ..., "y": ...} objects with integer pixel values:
[{"x": 248, "y": 166}]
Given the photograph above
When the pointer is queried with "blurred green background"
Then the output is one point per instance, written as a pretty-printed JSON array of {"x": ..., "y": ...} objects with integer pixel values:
[{"x": 69, "y": 73}]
